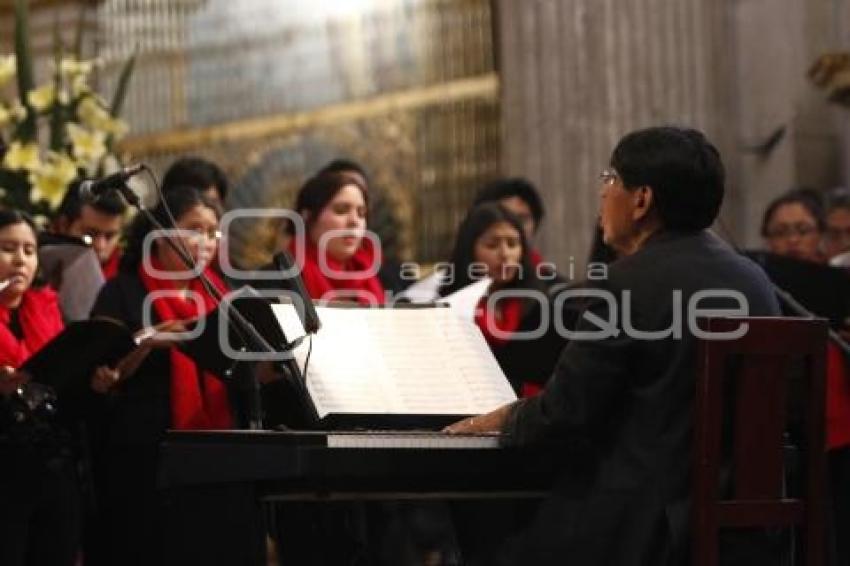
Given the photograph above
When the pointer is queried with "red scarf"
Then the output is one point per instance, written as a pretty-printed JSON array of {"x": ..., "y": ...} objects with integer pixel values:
[
  {"x": 110, "y": 268},
  {"x": 197, "y": 401},
  {"x": 40, "y": 320},
  {"x": 837, "y": 398},
  {"x": 505, "y": 316},
  {"x": 535, "y": 258},
  {"x": 320, "y": 285}
]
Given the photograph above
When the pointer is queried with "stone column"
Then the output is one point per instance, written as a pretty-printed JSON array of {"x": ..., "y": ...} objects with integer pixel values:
[{"x": 578, "y": 74}]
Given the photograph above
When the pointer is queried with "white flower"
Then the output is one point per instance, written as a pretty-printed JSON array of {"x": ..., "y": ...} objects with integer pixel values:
[
  {"x": 80, "y": 85},
  {"x": 88, "y": 146},
  {"x": 22, "y": 156},
  {"x": 8, "y": 68},
  {"x": 18, "y": 111},
  {"x": 117, "y": 127},
  {"x": 91, "y": 113},
  {"x": 42, "y": 98},
  {"x": 73, "y": 68},
  {"x": 94, "y": 116},
  {"x": 12, "y": 114},
  {"x": 51, "y": 180},
  {"x": 40, "y": 221}
]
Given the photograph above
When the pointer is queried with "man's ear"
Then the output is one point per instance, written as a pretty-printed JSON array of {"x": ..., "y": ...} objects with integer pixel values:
[{"x": 644, "y": 198}]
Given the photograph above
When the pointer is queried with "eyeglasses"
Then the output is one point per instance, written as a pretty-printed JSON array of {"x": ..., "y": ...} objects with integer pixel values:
[
  {"x": 789, "y": 230},
  {"x": 608, "y": 176}
]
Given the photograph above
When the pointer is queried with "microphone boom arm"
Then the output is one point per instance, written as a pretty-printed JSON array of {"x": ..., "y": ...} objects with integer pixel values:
[{"x": 243, "y": 327}]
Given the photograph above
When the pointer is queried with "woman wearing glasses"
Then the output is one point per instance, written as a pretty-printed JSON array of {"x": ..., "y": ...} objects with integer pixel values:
[
  {"x": 794, "y": 226},
  {"x": 157, "y": 388},
  {"x": 837, "y": 241}
]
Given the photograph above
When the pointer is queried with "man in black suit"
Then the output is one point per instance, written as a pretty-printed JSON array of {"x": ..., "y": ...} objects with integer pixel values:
[{"x": 618, "y": 408}]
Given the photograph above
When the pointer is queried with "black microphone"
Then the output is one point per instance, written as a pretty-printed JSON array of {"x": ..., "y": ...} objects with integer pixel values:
[
  {"x": 309, "y": 318},
  {"x": 91, "y": 190}
]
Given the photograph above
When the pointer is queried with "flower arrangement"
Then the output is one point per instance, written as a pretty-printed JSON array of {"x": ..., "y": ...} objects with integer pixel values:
[
  {"x": 56, "y": 132},
  {"x": 831, "y": 72}
]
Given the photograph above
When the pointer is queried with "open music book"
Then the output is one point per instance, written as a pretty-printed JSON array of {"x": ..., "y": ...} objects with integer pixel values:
[
  {"x": 396, "y": 367},
  {"x": 68, "y": 360}
]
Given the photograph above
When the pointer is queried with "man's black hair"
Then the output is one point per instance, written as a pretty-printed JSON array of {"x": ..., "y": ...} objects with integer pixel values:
[
  {"x": 683, "y": 169},
  {"x": 513, "y": 187},
  {"x": 837, "y": 197},
  {"x": 71, "y": 207},
  {"x": 198, "y": 173}
]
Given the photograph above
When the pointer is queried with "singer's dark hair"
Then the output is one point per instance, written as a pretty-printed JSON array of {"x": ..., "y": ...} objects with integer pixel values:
[
  {"x": 342, "y": 165},
  {"x": 319, "y": 190},
  {"x": 837, "y": 197},
  {"x": 12, "y": 216},
  {"x": 71, "y": 207},
  {"x": 478, "y": 220},
  {"x": 683, "y": 169},
  {"x": 179, "y": 200},
  {"x": 198, "y": 173},
  {"x": 513, "y": 187},
  {"x": 808, "y": 198}
]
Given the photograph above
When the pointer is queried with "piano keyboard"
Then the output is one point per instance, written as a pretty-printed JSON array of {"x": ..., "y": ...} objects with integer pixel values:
[{"x": 411, "y": 440}]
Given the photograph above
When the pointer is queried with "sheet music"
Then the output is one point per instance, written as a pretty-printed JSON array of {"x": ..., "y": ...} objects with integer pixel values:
[
  {"x": 290, "y": 323},
  {"x": 76, "y": 271},
  {"x": 465, "y": 300},
  {"x": 426, "y": 290},
  {"x": 400, "y": 361}
]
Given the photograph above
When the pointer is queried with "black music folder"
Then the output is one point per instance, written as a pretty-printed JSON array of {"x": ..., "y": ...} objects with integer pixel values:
[
  {"x": 410, "y": 366},
  {"x": 209, "y": 349},
  {"x": 823, "y": 289},
  {"x": 70, "y": 358}
]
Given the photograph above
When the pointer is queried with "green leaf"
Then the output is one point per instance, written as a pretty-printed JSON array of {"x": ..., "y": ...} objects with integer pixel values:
[
  {"x": 79, "y": 32},
  {"x": 57, "y": 113},
  {"x": 17, "y": 189},
  {"x": 27, "y": 130},
  {"x": 123, "y": 84}
]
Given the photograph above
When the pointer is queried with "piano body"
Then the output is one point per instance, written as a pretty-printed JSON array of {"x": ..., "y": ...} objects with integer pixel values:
[
  {"x": 323, "y": 466},
  {"x": 376, "y": 369}
]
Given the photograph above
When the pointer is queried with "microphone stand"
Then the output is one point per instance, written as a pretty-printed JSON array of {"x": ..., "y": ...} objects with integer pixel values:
[
  {"x": 792, "y": 303},
  {"x": 242, "y": 326}
]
